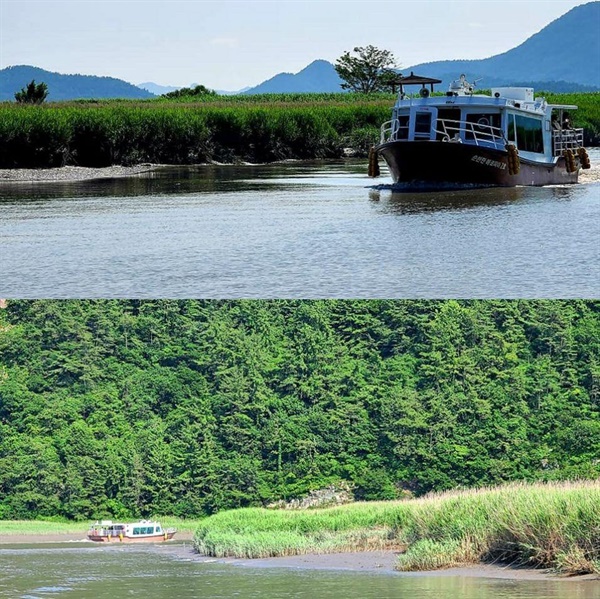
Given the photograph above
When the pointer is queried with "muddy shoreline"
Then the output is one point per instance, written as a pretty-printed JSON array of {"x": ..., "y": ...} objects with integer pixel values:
[
  {"x": 382, "y": 562},
  {"x": 71, "y": 174}
]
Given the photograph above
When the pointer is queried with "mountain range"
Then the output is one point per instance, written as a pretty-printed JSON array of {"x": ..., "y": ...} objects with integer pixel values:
[
  {"x": 563, "y": 56},
  {"x": 566, "y": 50},
  {"x": 66, "y": 87}
]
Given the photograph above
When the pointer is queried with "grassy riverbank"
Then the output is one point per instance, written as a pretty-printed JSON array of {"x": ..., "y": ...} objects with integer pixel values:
[
  {"x": 126, "y": 132},
  {"x": 214, "y": 128},
  {"x": 539, "y": 525}
]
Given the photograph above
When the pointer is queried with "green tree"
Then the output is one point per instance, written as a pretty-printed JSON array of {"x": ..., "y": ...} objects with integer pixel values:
[
  {"x": 199, "y": 90},
  {"x": 369, "y": 70},
  {"x": 32, "y": 94}
]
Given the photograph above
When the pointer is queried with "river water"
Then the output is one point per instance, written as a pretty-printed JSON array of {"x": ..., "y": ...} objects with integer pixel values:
[
  {"x": 157, "y": 572},
  {"x": 298, "y": 229}
]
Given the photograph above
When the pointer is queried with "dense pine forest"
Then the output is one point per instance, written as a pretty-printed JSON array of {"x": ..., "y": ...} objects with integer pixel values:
[{"x": 185, "y": 408}]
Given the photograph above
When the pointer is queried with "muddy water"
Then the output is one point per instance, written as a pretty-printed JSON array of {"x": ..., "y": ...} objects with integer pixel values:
[
  {"x": 296, "y": 230},
  {"x": 159, "y": 572}
]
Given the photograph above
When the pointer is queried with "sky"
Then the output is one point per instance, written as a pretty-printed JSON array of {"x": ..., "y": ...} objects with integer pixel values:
[{"x": 232, "y": 44}]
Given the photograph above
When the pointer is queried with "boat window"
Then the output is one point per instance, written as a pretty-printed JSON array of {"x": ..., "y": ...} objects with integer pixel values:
[
  {"x": 143, "y": 530},
  {"x": 402, "y": 126},
  {"x": 423, "y": 124},
  {"x": 136, "y": 531},
  {"x": 482, "y": 125},
  {"x": 530, "y": 137},
  {"x": 511, "y": 128},
  {"x": 158, "y": 529},
  {"x": 150, "y": 530}
]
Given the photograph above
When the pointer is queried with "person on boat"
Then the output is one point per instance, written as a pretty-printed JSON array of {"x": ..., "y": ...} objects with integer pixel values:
[{"x": 555, "y": 124}]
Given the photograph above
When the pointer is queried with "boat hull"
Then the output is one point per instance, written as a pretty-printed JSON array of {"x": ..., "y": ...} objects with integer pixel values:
[
  {"x": 125, "y": 539},
  {"x": 447, "y": 163}
]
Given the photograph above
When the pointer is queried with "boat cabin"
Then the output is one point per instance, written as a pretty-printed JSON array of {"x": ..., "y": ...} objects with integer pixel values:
[
  {"x": 509, "y": 115},
  {"x": 141, "y": 529}
]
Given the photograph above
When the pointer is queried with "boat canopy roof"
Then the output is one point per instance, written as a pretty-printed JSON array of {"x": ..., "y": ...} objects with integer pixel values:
[
  {"x": 413, "y": 79},
  {"x": 562, "y": 106}
]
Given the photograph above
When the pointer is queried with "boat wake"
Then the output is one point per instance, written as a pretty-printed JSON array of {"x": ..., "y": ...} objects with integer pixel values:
[{"x": 425, "y": 186}]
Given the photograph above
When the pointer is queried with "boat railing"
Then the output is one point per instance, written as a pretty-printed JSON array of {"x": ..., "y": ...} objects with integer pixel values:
[
  {"x": 476, "y": 133},
  {"x": 393, "y": 131},
  {"x": 566, "y": 139},
  {"x": 385, "y": 133},
  {"x": 450, "y": 131}
]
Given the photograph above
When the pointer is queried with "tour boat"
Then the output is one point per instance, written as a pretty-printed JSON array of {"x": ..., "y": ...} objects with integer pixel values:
[
  {"x": 505, "y": 139},
  {"x": 108, "y": 531}
]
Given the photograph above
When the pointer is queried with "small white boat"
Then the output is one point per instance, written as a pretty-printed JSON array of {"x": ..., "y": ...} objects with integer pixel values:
[
  {"x": 107, "y": 531},
  {"x": 507, "y": 138}
]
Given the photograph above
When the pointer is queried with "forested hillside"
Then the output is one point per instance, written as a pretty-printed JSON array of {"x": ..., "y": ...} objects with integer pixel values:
[{"x": 188, "y": 407}]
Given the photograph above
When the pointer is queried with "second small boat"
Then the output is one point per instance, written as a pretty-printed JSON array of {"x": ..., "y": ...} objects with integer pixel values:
[{"x": 147, "y": 531}]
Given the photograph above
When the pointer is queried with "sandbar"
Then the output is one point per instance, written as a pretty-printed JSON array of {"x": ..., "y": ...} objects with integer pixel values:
[{"x": 72, "y": 173}]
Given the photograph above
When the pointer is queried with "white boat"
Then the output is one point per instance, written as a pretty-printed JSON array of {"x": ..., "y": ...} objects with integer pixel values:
[
  {"x": 107, "y": 531},
  {"x": 506, "y": 138}
]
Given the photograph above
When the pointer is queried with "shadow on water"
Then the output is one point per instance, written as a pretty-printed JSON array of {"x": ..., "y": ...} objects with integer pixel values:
[
  {"x": 408, "y": 200},
  {"x": 163, "y": 181},
  {"x": 176, "y": 180}
]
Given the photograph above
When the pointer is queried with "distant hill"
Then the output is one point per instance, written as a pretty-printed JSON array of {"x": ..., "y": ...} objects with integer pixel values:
[
  {"x": 564, "y": 56},
  {"x": 66, "y": 87},
  {"x": 157, "y": 89},
  {"x": 318, "y": 76},
  {"x": 567, "y": 51}
]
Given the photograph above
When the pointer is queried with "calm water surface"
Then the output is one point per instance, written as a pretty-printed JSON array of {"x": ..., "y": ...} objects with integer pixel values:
[
  {"x": 295, "y": 230},
  {"x": 155, "y": 572}
]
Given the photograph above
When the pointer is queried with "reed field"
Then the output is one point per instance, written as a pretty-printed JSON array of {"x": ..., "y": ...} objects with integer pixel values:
[
  {"x": 97, "y": 134},
  {"x": 257, "y": 129},
  {"x": 552, "y": 525}
]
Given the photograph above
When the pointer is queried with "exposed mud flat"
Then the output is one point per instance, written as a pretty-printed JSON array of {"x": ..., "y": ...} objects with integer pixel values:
[
  {"x": 72, "y": 173},
  {"x": 372, "y": 561}
]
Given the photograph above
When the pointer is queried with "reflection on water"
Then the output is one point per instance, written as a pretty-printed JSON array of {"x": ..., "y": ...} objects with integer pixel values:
[
  {"x": 435, "y": 201},
  {"x": 298, "y": 229},
  {"x": 153, "y": 572}
]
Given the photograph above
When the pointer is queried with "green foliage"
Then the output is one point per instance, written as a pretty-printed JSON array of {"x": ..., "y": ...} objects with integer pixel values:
[
  {"x": 370, "y": 70},
  {"x": 186, "y": 132},
  {"x": 587, "y": 115},
  {"x": 194, "y": 92},
  {"x": 32, "y": 93},
  {"x": 134, "y": 408}
]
